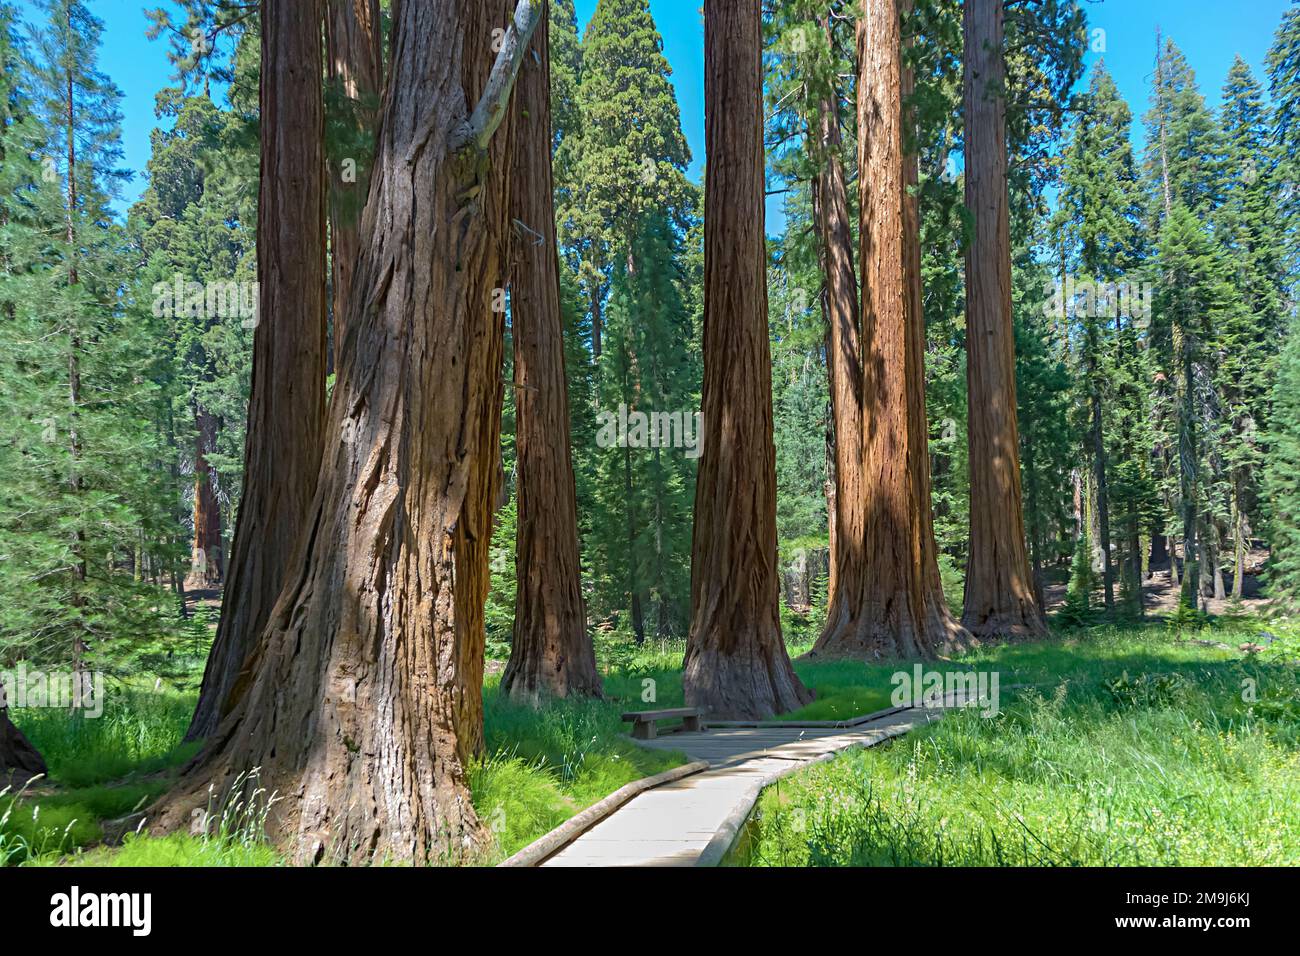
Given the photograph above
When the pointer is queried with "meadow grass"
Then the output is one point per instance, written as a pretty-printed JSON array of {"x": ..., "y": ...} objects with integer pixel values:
[
  {"x": 1121, "y": 746},
  {"x": 1129, "y": 748}
]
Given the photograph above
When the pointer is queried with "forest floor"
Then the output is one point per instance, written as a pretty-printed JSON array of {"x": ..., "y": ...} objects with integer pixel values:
[
  {"x": 1118, "y": 726},
  {"x": 1160, "y": 593}
]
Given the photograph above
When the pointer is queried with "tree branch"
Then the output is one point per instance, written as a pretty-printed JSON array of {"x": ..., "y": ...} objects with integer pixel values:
[{"x": 491, "y": 108}]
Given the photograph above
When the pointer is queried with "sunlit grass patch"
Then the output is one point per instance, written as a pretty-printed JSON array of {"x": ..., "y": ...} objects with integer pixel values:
[{"x": 1136, "y": 750}]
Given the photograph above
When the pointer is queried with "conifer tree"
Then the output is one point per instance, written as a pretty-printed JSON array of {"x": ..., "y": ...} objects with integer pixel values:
[
  {"x": 77, "y": 374},
  {"x": 1282, "y": 483},
  {"x": 629, "y": 156}
]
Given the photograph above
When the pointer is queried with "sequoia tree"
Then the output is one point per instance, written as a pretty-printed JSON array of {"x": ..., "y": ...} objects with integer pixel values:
[
  {"x": 736, "y": 663},
  {"x": 898, "y": 606},
  {"x": 355, "y": 65},
  {"x": 551, "y": 651},
  {"x": 843, "y": 336},
  {"x": 362, "y": 701},
  {"x": 999, "y": 589},
  {"x": 286, "y": 410}
]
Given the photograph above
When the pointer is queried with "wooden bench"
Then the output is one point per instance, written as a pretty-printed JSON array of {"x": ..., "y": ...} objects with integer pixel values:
[{"x": 643, "y": 722}]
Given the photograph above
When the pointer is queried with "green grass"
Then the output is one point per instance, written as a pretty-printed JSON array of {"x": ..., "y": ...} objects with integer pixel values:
[
  {"x": 175, "y": 850},
  {"x": 1132, "y": 749},
  {"x": 96, "y": 766},
  {"x": 139, "y": 732},
  {"x": 1128, "y": 747}
]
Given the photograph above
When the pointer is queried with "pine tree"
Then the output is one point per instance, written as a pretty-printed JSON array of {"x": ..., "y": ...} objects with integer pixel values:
[
  {"x": 644, "y": 485},
  {"x": 1249, "y": 228},
  {"x": 1284, "y": 94},
  {"x": 1101, "y": 206},
  {"x": 629, "y": 155},
  {"x": 1282, "y": 482},
  {"x": 78, "y": 450}
]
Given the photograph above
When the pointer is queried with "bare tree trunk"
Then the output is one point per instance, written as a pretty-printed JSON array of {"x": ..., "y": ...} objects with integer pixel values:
[
  {"x": 736, "y": 663},
  {"x": 362, "y": 702},
  {"x": 286, "y": 411},
  {"x": 899, "y": 609},
  {"x": 999, "y": 589},
  {"x": 597, "y": 318},
  {"x": 551, "y": 652},
  {"x": 355, "y": 64},
  {"x": 1238, "y": 540},
  {"x": 206, "y": 559},
  {"x": 843, "y": 365},
  {"x": 1097, "y": 445},
  {"x": 19, "y": 760}
]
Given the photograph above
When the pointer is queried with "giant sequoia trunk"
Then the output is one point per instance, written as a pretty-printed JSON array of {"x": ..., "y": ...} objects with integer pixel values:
[
  {"x": 362, "y": 702},
  {"x": 898, "y": 607},
  {"x": 999, "y": 588},
  {"x": 736, "y": 663},
  {"x": 19, "y": 760},
  {"x": 551, "y": 652},
  {"x": 286, "y": 410},
  {"x": 355, "y": 65},
  {"x": 205, "y": 551},
  {"x": 843, "y": 364}
]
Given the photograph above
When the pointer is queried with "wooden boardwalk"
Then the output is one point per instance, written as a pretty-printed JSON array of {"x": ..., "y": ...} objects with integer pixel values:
[{"x": 692, "y": 821}]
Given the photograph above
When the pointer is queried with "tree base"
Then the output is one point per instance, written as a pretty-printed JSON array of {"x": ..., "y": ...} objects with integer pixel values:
[
  {"x": 536, "y": 682},
  {"x": 890, "y": 636},
  {"x": 757, "y": 683},
  {"x": 19, "y": 760},
  {"x": 1022, "y": 623}
]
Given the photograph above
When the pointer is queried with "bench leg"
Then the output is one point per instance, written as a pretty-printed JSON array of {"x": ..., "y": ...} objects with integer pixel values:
[
  {"x": 692, "y": 724},
  {"x": 644, "y": 730}
]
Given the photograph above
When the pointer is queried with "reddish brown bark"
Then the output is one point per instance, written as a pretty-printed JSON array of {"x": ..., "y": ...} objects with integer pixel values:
[
  {"x": 362, "y": 702},
  {"x": 355, "y": 65},
  {"x": 999, "y": 587},
  {"x": 551, "y": 652},
  {"x": 843, "y": 363},
  {"x": 19, "y": 760},
  {"x": 736, "y": 663},
  {"x": 206, "y": 552},
  {"x": 286, "y": 409},
  {"x": 898, "y": 608}
]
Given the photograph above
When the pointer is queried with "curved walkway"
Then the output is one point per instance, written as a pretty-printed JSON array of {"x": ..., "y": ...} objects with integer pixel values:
[{"x": 693, "y": 821}]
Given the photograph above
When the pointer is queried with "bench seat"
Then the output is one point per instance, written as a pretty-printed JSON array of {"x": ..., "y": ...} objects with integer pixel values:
[{"x": 643, "y": 721}]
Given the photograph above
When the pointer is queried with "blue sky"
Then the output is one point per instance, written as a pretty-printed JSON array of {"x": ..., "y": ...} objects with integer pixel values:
[{"x": 1210, "y": 33}]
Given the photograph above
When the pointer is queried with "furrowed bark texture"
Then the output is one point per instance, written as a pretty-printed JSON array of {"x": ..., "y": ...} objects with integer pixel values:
[
  {"x": 286, "y": 412},
  {"x": 355, "y": 63},
  {"x": 205, "y": 551},
  {"x": 898, "y": 608},
  {"x": 736, "y": 663},
  {"x": 999, "y": 598},
  {"x": 844, "y": 367},
  {"x": 551, "y": 652},
  {"x": 362, "y": 703}
]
